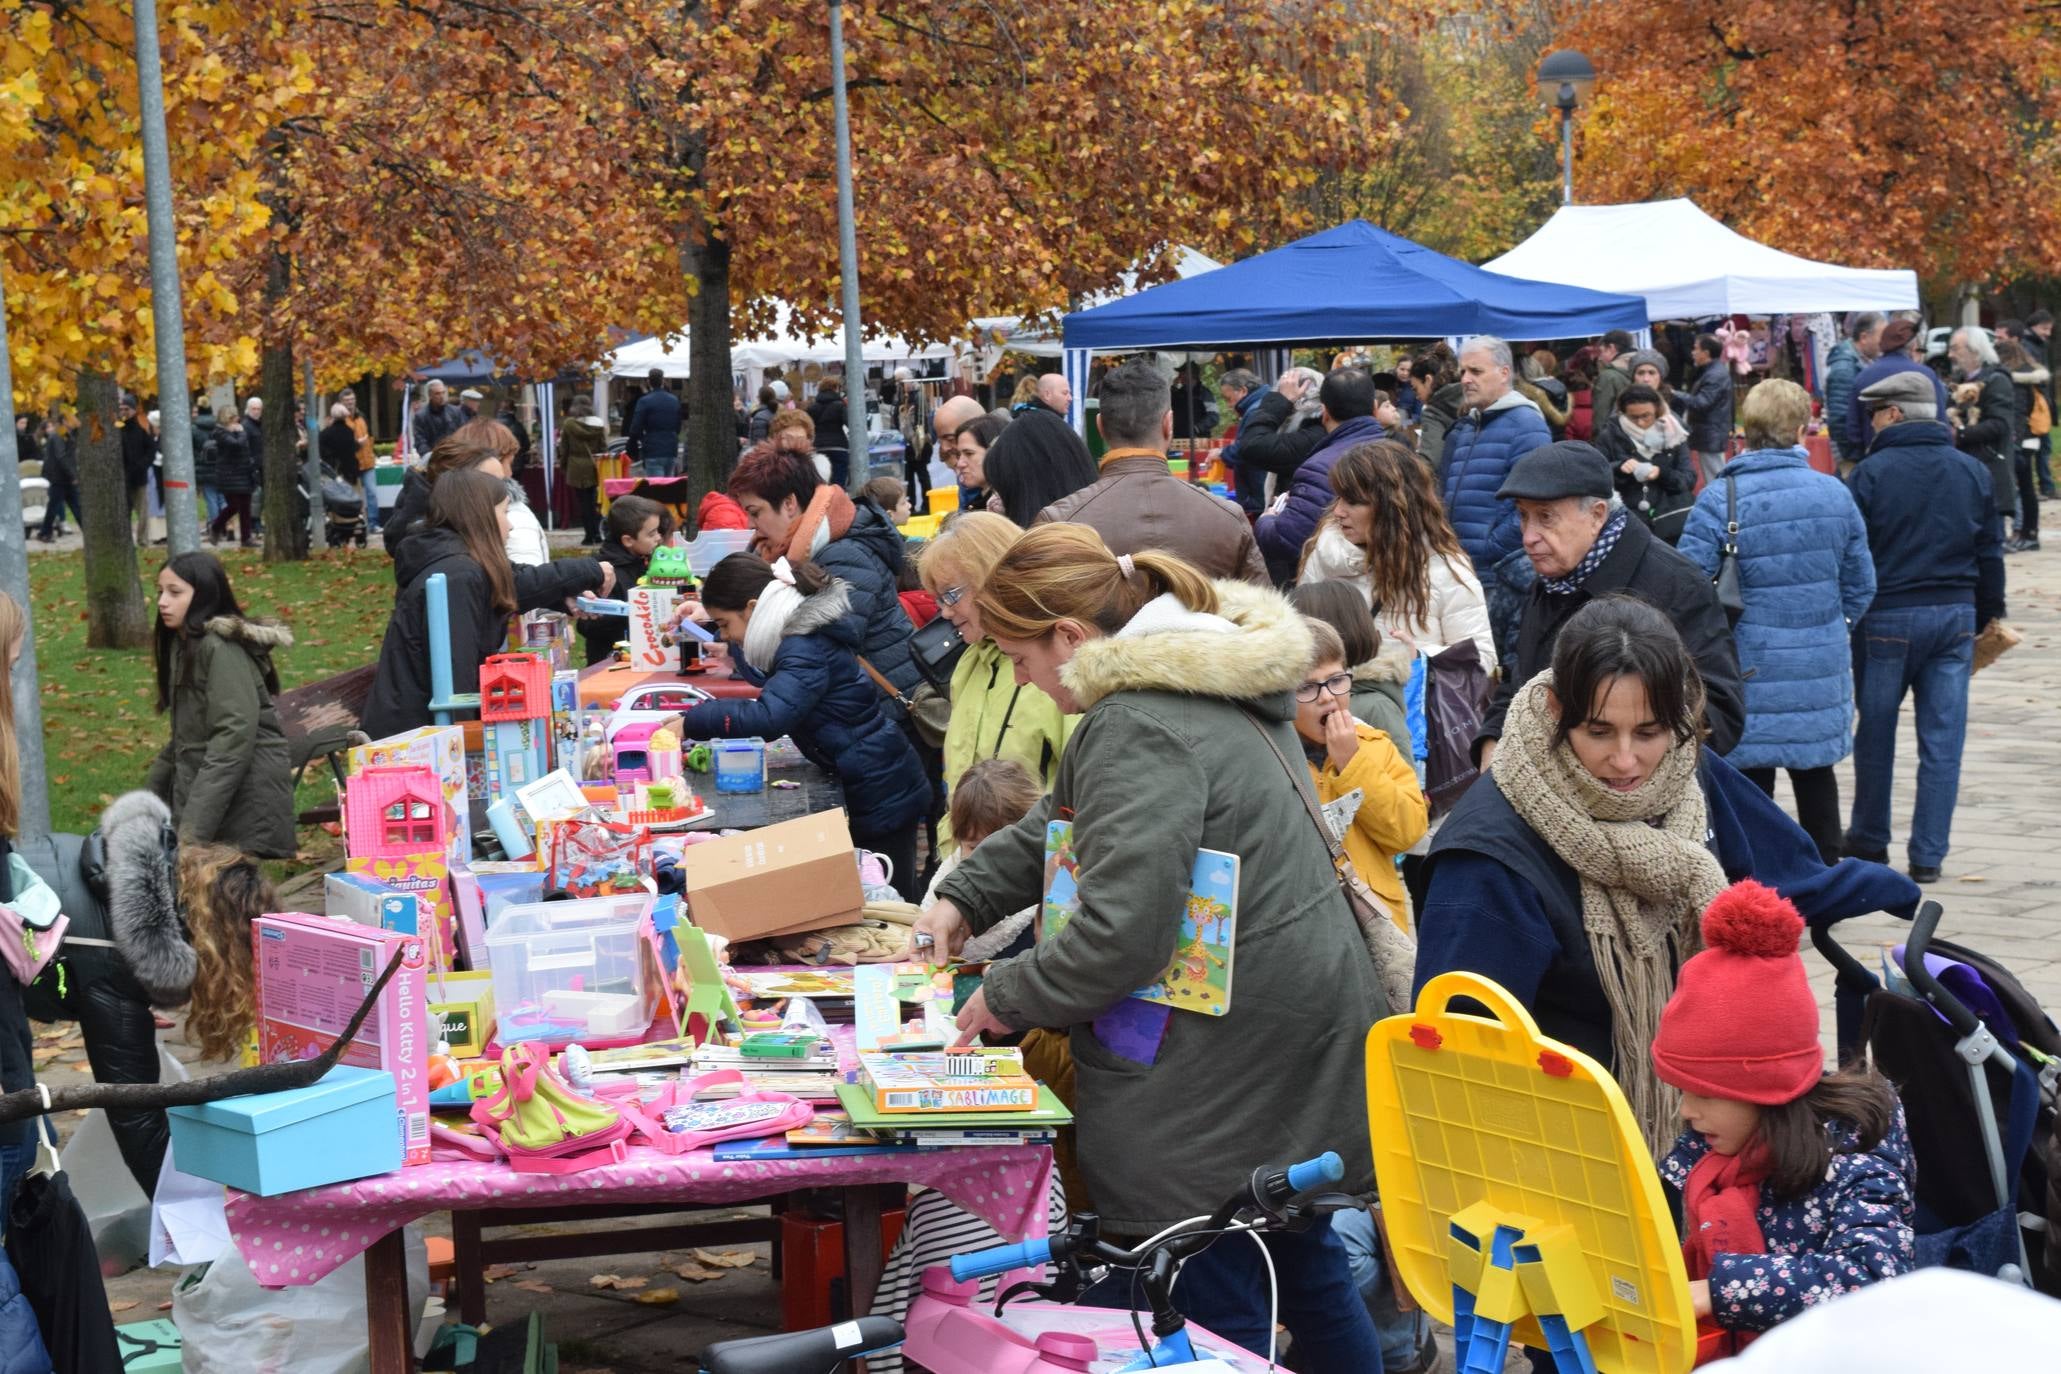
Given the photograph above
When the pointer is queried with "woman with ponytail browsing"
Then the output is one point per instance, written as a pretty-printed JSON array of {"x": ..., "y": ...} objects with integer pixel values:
[
  {"x": 794, "y": 627},
  {"x": 1186, "y": 741},
  {"x": 1574, "y": 873}
]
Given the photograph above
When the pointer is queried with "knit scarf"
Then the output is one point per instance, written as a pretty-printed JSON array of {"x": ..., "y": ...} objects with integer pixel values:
[
  {"x": 1606, "y": 540},
  {"x": 1658, "y": 437},
  {"x": 1721, "y": 1216},
  {"x": 830, "y": 513},
  {"x": 778, "y": 600},
  {"x": 1645, "y": 875}
]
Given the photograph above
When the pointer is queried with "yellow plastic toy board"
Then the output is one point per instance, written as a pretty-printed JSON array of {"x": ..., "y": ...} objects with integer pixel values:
[{"x": 1481, "y": 1125}]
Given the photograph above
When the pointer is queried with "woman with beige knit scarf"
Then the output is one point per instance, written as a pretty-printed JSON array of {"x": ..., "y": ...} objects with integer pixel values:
[{"x": 1574, "y": 874}]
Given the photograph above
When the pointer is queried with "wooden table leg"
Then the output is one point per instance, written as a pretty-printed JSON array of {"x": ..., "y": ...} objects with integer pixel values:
[
  {"x": 468, "y": 1270},
  {"x": 386, "y": 1306},
  {"x": 862, "y": 1263}
]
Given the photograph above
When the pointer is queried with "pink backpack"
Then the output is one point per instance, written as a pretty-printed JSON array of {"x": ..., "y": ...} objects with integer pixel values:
[{"x": 676, "y": 1122}]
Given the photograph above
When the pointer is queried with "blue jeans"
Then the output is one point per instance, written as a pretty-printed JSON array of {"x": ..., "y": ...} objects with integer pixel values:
[
  {"x": 661, "y": 465},
  {"x": 1929, "y": 650},
  {"x": 1400, "y": 1332},
  {"x": 368, "y": 483},
  {"x": 211, "y": 498}
]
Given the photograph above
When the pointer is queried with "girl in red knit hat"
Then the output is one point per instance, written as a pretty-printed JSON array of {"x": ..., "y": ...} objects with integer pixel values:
[{"x": 1796, "y": 1184}]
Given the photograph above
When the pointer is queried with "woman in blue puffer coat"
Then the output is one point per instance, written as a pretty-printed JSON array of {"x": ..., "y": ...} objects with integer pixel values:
[
  {"x": 794, "y": 626},
  {"x": 1806, "y": 575}
]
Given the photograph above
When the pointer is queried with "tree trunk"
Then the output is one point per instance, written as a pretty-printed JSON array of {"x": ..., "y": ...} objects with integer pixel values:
[
  {"x": 117, "y": 616},
  {"x": 286, "y": 532},
  {"x": 712, "y": 420}
]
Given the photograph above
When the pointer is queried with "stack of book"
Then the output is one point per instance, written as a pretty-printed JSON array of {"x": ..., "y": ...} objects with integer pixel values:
[
  {"x": 810, "y": 1072},
  {"x": 950, "y": 1099}
]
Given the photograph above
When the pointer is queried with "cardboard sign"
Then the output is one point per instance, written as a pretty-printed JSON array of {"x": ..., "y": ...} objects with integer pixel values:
[{"x": 650, "y": 608}]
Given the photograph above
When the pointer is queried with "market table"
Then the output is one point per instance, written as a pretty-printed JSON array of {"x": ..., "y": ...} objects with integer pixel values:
[
  {"x": 607, "y": 680},
  {"x": 297, "y": 1238}
]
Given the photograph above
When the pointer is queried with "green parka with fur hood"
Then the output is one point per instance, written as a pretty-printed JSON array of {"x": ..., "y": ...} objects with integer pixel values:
[
  {"x": 1165, "y": 760},
  {"x": 226, "y": 772}
]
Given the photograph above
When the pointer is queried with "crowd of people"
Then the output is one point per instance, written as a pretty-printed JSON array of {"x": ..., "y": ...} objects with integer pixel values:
[{"x": 1665, "y": 620}]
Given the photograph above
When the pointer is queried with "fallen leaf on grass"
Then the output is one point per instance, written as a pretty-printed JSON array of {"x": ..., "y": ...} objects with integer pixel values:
[
  {"x": 659, "y": 1297},
  {"x": 726, "y": 1259},
  {"x": 617, "y": 1281},
  {"x": 532, "y": 1286},
  {"x": 120, "y": 1306}
]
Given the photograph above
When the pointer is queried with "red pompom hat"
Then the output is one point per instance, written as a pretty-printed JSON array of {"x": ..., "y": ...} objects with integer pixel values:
[{"x": 1743, "y": 1023}]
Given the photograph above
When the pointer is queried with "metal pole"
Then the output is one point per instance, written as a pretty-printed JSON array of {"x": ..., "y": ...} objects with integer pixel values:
[
  {"x": 858, "y": 461},
  {"x": 175, "y": 428},
  {"x": 311, "y": 466},
  {"x": 1566, "y": 147},
  {"x": 14, "y": 579}
]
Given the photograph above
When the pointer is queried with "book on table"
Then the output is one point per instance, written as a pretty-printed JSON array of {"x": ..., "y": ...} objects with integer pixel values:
[
  {"x": 1047, "y": 1113},
  {"x": 969, "y": 1080}
]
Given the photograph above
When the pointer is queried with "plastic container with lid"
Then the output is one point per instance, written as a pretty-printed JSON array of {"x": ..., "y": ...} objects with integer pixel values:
[
  {"x": 739, "y": 765},
  {"x": 566, "y": 971}
]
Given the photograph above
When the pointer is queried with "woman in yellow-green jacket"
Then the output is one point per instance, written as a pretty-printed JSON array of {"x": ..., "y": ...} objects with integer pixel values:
[{"x": 992, "y": 716}]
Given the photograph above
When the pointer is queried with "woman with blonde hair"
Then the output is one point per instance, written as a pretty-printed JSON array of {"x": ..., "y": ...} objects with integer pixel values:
[
  {"x": 994, "y": 715},
  {"x": 1387, "y": 534},
  {"x": 527, "y": 547},
  {"x": 1186, "y": 743},
  {"x": 221, "y": 892}
]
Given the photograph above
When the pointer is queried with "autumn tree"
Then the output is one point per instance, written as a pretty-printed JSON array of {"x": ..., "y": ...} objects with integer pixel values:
[{"x": 1917, "y": 134}]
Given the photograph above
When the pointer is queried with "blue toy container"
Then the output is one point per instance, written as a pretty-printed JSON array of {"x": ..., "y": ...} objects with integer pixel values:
[
  {"x": 739, "y": 765},
  {"x": 346, "y": 1125}
]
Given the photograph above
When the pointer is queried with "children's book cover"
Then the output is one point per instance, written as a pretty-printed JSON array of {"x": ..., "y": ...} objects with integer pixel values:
[{"x": 1199, "y": 978}]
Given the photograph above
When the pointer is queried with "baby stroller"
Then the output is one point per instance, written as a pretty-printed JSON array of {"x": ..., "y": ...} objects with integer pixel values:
[
  {"x": 1978, "y": 1064},
  {"x": 343, "y": 510}
]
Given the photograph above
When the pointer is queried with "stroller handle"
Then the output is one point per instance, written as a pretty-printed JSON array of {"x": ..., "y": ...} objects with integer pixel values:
[{"x": 1923, "y": 927}]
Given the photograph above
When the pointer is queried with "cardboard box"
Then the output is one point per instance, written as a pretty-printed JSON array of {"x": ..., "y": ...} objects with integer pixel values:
[
  {"x": 426, "y": 877},
  {"x": 311, "y": 973},
  {"x": 794, "y": 876},
  {"x": 369, "y": 902},
  {"x": 151, "y": 1347},
  {"x": 439, "y": 748},
  {"x": 463, "y": 1014},
  {"x": 341, "y": 1127},
  {"x": 650, "y": 650}
]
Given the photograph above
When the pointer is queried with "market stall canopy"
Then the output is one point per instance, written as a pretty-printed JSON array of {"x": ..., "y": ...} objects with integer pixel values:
[
  {"x": 780, "y": 349},
  {"x": 1354, "y": 282},
  {"x": 1690, "y": 267},
  {"x": 998, "y": 333}
]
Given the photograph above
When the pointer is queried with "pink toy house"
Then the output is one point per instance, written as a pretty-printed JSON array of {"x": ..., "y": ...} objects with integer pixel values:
[
  {"x": 390, "y": 812},
  {"x": 514, "y": 687}
]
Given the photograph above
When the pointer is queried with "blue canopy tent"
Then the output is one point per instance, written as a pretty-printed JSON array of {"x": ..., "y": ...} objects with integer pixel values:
[{"x": 1353, "y": 282}]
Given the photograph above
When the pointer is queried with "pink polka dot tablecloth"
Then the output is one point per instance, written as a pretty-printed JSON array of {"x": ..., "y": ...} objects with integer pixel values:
[{"x": 297, "y": 1238}]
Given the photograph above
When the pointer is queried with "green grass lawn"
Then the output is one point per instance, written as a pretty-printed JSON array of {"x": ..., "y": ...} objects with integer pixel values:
[{"x": 100, "y": 730}]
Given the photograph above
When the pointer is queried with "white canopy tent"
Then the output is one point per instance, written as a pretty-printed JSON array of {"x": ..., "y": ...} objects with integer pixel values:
[
  {"x": 783, "y": 348},
  {"x": 1688, "y": 266},
  {"x": 998, "y": 333}
]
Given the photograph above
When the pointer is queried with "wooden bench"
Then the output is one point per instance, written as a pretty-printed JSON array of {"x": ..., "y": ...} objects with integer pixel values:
[{"x": 320, "y": 721}]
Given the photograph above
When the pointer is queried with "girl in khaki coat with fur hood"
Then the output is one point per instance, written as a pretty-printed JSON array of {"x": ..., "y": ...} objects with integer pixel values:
[
  {"x": 1186, "y": 694},
  {"x": 226, "y": 772}
]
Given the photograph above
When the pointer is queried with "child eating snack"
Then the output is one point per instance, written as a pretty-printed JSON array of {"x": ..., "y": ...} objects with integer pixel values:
[{"x": 1796, "y": 1184}]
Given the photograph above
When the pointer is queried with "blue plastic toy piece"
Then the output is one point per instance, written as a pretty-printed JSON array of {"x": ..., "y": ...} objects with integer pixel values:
[
  {"x": 1176, "y": 1349},
  {"x": 1570, "y": 1348}
]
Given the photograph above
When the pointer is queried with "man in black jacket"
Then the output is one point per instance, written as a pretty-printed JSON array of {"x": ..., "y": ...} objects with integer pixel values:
[
  {"x": 1933, "y": 531},
  {"x": 1708, "y": 406},
  {"x": 1266, "y": 442},
  {"x": 139, "y": 453},
  {"x": 1986, "y": 412},
  {"x": 61, "y": 468},
  {"x": 1583, "y": 545}
]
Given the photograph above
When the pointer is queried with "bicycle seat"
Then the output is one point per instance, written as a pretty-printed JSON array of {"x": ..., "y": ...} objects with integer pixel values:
[{"x": 802, "y": 1352}]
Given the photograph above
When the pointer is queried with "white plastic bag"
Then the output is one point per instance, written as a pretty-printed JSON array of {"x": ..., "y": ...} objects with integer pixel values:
[
  {"x": 229, "y": 1325},
  {"x": 115, "y": 1207}
]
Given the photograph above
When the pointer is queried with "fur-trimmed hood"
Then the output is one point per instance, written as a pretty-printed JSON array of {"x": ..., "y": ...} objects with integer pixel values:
[
  {"x": 142, "y": 898},
  {"x": 1390, "y": 664},
  {"x": 1255, "y": 646},
  {"x": 826, "y": 610},
  {"x": 261, "y": 635}
]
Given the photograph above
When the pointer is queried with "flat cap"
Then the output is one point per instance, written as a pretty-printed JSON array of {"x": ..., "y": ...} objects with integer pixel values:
[
  {"x": 471, "y": 395},
  {"x": 1568, "y": 468},
  {"x": 1903, "y": 390}
]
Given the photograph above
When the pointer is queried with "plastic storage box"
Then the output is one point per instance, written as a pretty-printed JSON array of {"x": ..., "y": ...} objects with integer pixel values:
[
  {"x": 345, "y": 1126},
  {"x": 739, "y": 765},
  {"x": 567, "y": 971}
]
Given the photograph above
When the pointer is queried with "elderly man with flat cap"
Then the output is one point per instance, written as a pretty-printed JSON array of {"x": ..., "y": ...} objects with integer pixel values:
[
  {"x": 1583, "y": 544},
  {"x": 1939, "y": 579}
]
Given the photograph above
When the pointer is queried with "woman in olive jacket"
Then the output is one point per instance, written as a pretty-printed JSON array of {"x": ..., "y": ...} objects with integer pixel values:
[{"x": 226, "y": 771}]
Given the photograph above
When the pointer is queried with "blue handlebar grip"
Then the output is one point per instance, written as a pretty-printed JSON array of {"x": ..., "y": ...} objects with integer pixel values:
[
  {"x": 1311, "y": 1173},
  {"x": 1002, "y": 1258}
]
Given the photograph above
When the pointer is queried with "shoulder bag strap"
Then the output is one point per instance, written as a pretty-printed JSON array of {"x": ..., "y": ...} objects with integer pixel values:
[
  {"x": 1004, "y": 730},
  {"x": 1301, "y": 782},
  {"x": 893, "y": 692},
  {"x": 1731, "y": 516}
]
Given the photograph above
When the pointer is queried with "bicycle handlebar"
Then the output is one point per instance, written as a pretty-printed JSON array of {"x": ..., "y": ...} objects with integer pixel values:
[
  {"x": 1326, "y": 1168},
  {"x": 1001, "y": 1259}
]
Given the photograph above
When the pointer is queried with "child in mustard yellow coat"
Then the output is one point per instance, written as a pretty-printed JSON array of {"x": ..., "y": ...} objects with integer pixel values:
[{"x": 1347, "y": 756}]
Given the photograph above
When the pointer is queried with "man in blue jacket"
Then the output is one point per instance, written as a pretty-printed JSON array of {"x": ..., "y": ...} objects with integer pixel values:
[
  {"x": 1902, "y": 349},
  {"x": 1938, "y": 546},
  {"x": 1497, "y": 427},
  {"x": 1708, "y": 406},
  {"x": 1348, "y": 397},
  {"x": 1861, "y": 346},
  {"x": 654, "y": 428},
  {"x": 1939, "y": 579}
]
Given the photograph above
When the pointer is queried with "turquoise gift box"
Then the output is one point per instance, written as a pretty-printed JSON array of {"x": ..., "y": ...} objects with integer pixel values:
[
  {"x": 346, "y": 1125},
  {"x": 149, "y": 1347}
]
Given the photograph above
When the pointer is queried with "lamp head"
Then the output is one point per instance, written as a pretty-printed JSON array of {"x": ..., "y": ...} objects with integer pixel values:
[{"x": 1565, "y": 79}]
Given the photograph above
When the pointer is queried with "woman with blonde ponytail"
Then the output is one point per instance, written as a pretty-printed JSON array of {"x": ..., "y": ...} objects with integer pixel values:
[{"x": 1186, "y": 690}]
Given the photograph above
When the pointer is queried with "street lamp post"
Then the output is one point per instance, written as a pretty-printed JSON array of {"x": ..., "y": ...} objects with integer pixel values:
[
  {"x": 858, "y": 452},
  {"x": 1565, "y": 78}
]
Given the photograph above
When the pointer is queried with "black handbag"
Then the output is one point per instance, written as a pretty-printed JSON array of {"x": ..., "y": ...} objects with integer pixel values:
[
  {"x": 1730, "y": 595},
  {"x": 937, "y": 649}
]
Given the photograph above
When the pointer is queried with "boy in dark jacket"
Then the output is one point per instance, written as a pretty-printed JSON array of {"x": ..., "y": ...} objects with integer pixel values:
[
  {"x": 1348, "y": 397},
  {"x": 633, "y": 530}
]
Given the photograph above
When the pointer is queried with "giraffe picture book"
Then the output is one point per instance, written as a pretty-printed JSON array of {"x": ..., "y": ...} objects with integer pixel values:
[{"x": 1199, "y": 978}]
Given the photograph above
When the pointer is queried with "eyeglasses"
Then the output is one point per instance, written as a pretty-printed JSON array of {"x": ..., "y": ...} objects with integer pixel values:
[
  {"x": 951, "y": 596},
  {"x": 1338, "y": 685}
]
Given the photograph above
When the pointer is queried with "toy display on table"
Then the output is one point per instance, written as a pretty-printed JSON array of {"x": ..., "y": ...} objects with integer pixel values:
[
  {"x": 573, "y": 971},
  {"x": 440, "y": 749},
  {"x": 739, "y": 765},
  {"x": 461, "y": 1009},
  {"x": 596, "y": 857},
  {"x": 309, "y": 974},
  {"x": 517, "y": 721},
  {"x": 397, "y": 834},
  {"x": 366, "y": 900}
]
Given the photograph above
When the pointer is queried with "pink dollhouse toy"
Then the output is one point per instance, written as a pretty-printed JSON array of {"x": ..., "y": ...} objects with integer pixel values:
[
  {"x": 390, "y": 812},
  {"x": 514, "y": 687}
]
